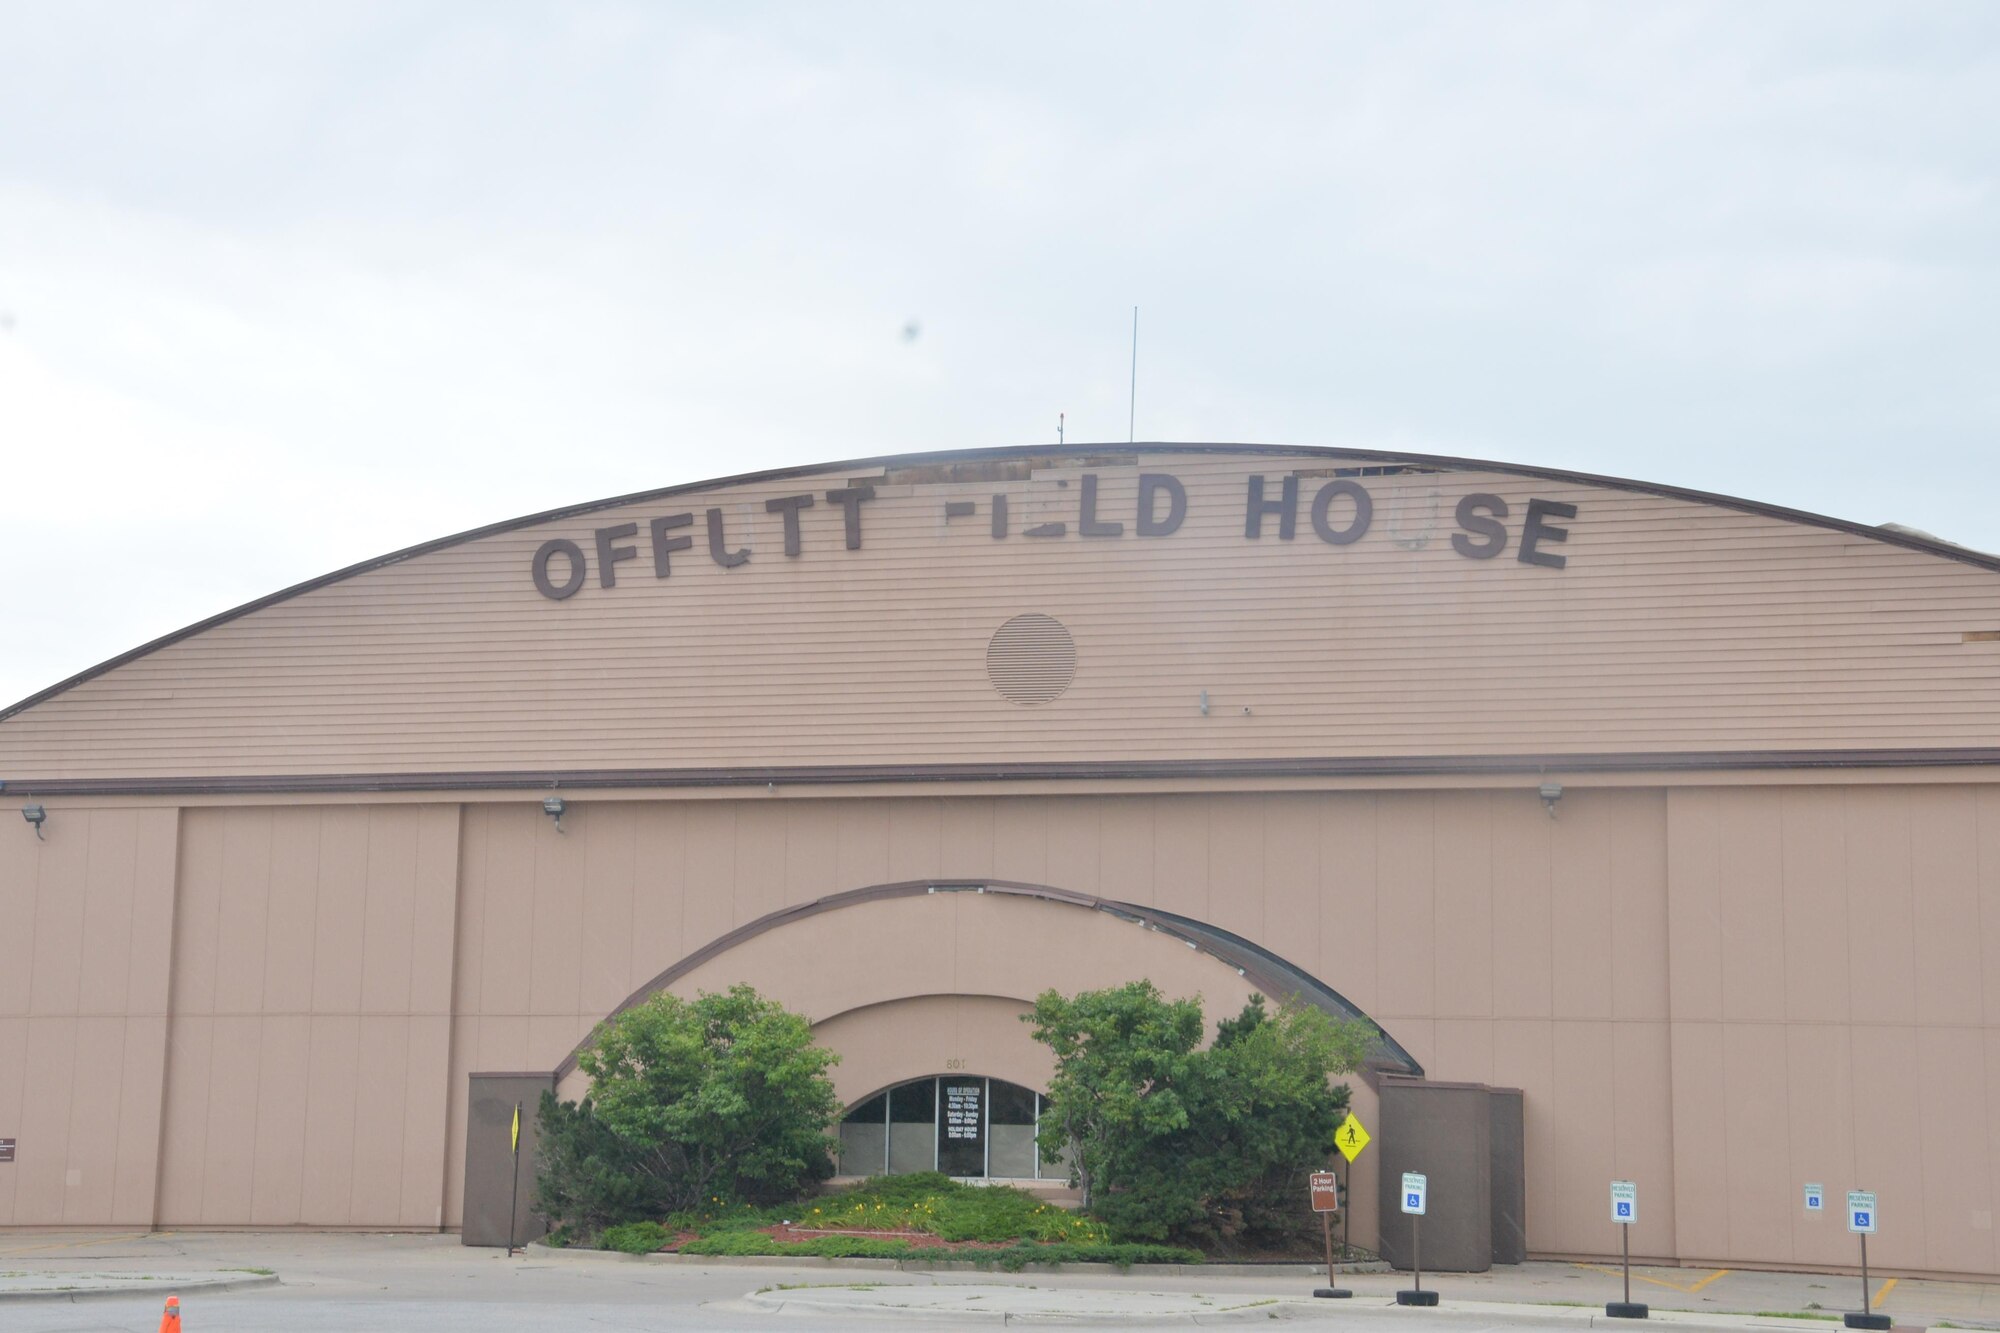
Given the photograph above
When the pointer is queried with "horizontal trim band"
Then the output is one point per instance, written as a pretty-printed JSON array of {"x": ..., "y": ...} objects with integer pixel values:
[{"x": 820, "y": 775}]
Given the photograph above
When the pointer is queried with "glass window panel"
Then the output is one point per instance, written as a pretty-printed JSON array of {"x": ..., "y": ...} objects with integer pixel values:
[
  {"x": 913, "y": 1127},
  {"x": 1012, "y": 1105},
  {"x": 872, "y": 1111},
  {"x": 861, "y": 1146},
  {"x": 912, "y": 1148},
  {"x": 914, "y": 1103},
  {"x": 1013, "y": 1149}
]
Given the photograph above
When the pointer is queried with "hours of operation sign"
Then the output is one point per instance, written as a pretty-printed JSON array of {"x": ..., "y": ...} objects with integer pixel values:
[{"x": 961, "y": 1111}]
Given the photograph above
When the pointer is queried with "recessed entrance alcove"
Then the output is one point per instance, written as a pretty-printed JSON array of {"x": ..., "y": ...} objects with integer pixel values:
[{"x": 965, "y": 1125}]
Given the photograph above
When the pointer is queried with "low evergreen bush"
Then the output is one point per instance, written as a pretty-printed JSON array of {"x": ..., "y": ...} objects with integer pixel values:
[{"x": 637, "y": 1237}]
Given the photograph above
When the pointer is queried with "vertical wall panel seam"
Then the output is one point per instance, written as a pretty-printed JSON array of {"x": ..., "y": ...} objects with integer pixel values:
[
  {"x": 175, "y": 890},
  {"x": 1612, "y": 883},
  {"x": 1785, "y": 1008},
  {"x": 417, "y": 891},
  {"x": 1667, "y": 947},
  {"x": 1853, "y": 1064},
  {"x": 166, "y": 1021},
  {"x": 1916, "y": 1021},
  {"x": 83, "y": 921},
  {"x": 461, "y": 832},
  {"x": 362, "y": 1077},
  {"x": 1979, "y": 803}
]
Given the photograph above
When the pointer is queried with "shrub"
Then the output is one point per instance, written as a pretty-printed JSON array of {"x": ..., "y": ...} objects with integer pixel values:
[
  {"x": 1198, "y": 1146},
  {"x": 818, "y": 1247},
  {"x": 637, "y": 1237},
  {"x": 586, "y": 1177},
  {"x": 694, "y": 1105},
  {"x": 930, "y": 1202}
]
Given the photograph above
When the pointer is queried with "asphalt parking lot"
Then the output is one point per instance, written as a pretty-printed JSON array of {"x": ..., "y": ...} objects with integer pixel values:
[{"x": 314, "y": 1281}]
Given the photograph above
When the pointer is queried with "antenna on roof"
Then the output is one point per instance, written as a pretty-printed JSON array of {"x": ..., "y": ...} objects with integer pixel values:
[
  {"x": 1132, "y": 408},
  {"x": 1059, "y": 428}
]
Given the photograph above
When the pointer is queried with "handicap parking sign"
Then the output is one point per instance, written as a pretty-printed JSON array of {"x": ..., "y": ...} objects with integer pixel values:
[
  {"x": 1624, "y": 1208},
  {"x": 1861, "y": 1212},
  {"x": 1416, "y": 1186}
]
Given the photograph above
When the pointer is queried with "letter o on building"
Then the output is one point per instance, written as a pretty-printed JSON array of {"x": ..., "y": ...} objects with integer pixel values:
[
  {"x": 568, "y": 587},
  {"x": 1364, "y": 510}
]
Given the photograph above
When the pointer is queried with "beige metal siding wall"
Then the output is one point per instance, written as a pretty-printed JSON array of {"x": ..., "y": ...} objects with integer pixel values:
[
  {"x": 1836, "y": 1000},
  {"x": 1675, "y": 626},
  {"x": 1719, "y": 993},
  {"x": 310, "y": 1030},
  {"x": 86, "y": 921},
  {"x": 1474, "y": 928}
]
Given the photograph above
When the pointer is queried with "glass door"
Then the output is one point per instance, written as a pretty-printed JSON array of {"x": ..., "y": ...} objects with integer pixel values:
[{"x": 961, "y": 1144}]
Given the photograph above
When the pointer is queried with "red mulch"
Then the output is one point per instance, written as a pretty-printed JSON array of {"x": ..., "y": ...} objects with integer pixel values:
[{"x": 921, "y": 1240}]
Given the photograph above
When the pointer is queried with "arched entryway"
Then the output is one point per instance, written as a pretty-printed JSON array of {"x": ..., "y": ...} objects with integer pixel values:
[{"x": 911, "y": 979}]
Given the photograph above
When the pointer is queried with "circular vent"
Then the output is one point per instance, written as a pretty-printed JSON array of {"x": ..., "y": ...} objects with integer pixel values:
[{"x": 1032, "y": 659}]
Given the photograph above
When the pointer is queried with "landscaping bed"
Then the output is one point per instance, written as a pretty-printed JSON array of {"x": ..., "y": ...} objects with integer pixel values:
[{"x": 897, "y": 1217}]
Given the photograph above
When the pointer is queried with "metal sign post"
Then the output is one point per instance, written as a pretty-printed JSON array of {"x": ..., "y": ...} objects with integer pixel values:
[
  {"x": 1625, "y": 1212},
  {"x": 1350, "y": 1138},
  {"x": 1861, "y": 1221},
  {"x": 1326, "y": 1202},
  {"x": 514, "y": 1204},
  {"x": 1416, "y": 1198}
]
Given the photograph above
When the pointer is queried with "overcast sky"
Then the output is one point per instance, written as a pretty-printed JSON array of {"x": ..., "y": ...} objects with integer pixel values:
[{"x": 285, "y": 286}]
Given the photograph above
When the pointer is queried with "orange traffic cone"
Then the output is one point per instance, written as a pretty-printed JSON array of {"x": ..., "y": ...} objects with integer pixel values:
[{"x": 170, "y": 1322}]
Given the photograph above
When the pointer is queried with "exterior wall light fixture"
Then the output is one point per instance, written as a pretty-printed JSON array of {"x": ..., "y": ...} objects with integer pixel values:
[
  {"x": 553, "y": 807},
  {"x": 34, "y": 814},
  {"x": 1551, "y": 792}
]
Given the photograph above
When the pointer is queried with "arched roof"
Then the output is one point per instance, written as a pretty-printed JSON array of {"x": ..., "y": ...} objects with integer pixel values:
[
  {"x": 1668, "y": 629},
  {"x": 1903, "y": 537}
]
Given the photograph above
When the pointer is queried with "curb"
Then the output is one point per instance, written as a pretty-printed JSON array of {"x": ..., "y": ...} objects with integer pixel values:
[
  {"x": 1489, "y": 1312},
  {"x": 1302, "y": 1270},
  {"x": 141, "y": 1287},
  {"x": 774, "y": 1302}
]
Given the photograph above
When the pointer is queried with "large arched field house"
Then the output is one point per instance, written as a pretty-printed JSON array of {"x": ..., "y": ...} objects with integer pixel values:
[{"x": 1677, "y": 813}]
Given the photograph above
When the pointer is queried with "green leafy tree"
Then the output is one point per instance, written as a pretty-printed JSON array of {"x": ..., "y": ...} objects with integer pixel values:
[
  {"x": 695, "y": 1104},
  {"x": 1208, "y": 1146}
]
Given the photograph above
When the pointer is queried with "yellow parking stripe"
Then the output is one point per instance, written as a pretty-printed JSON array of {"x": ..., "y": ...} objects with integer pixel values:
[
  {"x": 1659, "y": 1282},
  {"x": 1876, "y": 1304}
]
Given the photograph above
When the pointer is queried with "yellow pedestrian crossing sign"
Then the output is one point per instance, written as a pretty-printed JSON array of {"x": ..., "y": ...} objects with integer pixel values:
[{"x": 1350, "y": 1138}]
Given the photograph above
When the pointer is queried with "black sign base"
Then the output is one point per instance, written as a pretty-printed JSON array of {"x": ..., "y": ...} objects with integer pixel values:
[
  {"x": 1338, "y": 1293},
  {"x": 1416, "y": 1298},
  {"x": 1875, "y": 1321},
  {"x": 1625, "y": 1309}
]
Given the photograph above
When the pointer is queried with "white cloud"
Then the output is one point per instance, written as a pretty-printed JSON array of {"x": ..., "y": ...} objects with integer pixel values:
[{"x": 292, "y": 287}]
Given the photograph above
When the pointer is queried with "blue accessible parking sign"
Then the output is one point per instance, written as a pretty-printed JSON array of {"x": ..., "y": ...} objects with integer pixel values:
[
  {"x": 1416, "y": 1189},
  {"x": 1861, "y": 1212}
]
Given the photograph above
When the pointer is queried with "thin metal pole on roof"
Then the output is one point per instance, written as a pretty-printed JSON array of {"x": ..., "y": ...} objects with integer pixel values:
[{"x": 1132, "y": 407}]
